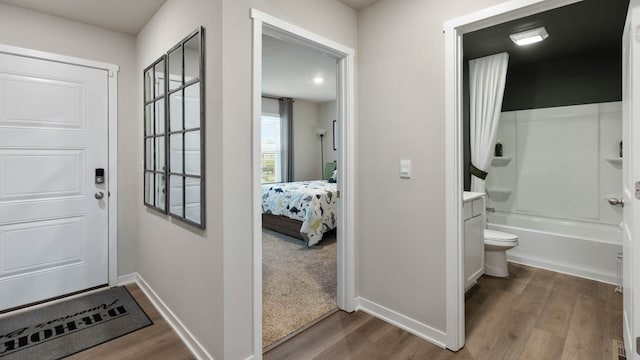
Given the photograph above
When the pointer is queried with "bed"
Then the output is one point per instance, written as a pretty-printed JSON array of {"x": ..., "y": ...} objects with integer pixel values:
[{"x": 305, "y": 210}]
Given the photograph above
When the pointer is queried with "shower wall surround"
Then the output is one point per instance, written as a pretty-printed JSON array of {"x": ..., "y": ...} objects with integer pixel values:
[{"x": 561, "y": 162}]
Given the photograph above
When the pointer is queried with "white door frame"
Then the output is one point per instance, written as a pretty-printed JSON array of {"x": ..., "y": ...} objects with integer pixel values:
[
  {"x": 111, "y": 177},
  {"x": 272, "y": 26},
  {"x": 454, "y": 30}
]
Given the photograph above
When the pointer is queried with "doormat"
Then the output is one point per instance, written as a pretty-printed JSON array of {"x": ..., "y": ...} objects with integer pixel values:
[
  {"x": 65, "y": 328},
  {"x": 618, "y": 350}
]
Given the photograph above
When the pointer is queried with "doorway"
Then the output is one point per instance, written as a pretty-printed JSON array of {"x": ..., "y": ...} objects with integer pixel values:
[
  {"x": 299, "y": 202},
  {"x": 58, "y": 159},
  {"x": 345, "y": 126}
]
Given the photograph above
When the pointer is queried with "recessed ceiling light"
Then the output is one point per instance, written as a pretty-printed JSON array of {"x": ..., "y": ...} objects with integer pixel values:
[
  {"x": 529, "y": 36},
  {"x": 318, "y": 80}
]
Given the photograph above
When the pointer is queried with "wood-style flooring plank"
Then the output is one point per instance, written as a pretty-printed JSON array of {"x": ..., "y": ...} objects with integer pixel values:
[
  {"x": 532, "y": 299},
  {"x": 585, "y": 339},
  {"x": 320, "y": 336},
  {"x": 510, "y": 340},
  {"x": 543, "y": 345},
  {"x": 487, "y": 322},
  {"x": 544, "y": 278},
  {"x": 556, "y": 315},
  {"x": 157, "y": 341}
]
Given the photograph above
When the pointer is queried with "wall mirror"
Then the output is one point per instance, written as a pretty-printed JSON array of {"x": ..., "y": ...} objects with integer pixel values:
[{"x": 174, "y": 150}]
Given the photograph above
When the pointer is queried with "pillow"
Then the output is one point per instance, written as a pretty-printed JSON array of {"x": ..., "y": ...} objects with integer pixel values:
[{"x": 334, "y": 177}]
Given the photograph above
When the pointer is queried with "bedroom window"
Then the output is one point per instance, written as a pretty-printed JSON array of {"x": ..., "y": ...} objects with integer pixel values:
[
  {"x": 271, "y": 149},
  {"x": 174, "y": 131}
]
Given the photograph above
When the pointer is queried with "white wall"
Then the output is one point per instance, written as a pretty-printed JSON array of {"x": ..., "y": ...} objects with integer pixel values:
[
  {"x": 327, "y": 112},
  {"x": 182, "y": 264},
  {"x": 33, "y": 30},
  {"x": 401, "y": 223},
  {"x": 306, "y": 143}
]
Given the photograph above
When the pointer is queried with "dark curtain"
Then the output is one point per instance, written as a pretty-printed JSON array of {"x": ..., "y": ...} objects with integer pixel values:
[{"x": 286, "y": 136}]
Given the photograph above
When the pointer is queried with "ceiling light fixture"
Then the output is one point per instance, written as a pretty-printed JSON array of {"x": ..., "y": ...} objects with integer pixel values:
[
  {"x": 318, "y": 80},
  {"x": 529, "y": 36}
]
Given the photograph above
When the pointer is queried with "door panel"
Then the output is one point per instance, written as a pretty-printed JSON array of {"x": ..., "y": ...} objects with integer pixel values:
[
  {"x": 53, "y": 134},
  {"x": 60, "y": 237},
  {"x": 55, "y": 103},
  {"x": 59, "y": 173}
]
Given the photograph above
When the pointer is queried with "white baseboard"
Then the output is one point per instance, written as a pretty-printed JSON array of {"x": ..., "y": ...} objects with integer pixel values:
[
  {"x": 127, "y": 279},
  {"x": 185, "y": 335},
  {"x": 417, "y": 328}
]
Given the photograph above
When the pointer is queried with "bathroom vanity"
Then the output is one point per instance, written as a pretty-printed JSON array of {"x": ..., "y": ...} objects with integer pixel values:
[{"x": 473, "y": 214}]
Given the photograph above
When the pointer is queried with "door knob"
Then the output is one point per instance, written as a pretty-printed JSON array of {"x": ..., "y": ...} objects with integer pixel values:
[
  {"x": 99, "y": 195},
  {"x": 614, "y": 201}
]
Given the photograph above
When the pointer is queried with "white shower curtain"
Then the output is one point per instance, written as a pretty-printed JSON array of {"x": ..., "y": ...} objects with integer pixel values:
[{"x": 487, "y": 77}]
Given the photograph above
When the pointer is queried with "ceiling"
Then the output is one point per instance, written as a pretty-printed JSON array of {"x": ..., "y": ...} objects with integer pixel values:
[
  {"x": 587, "y": 27},
  {"x": 358, "y": 4},
  {"x": 288, "y": 71},
  {"x": 127, "y": 16}
]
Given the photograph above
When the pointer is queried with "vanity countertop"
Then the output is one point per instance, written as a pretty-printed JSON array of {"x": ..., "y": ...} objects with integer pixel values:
[{"x": 468, "y": 196}]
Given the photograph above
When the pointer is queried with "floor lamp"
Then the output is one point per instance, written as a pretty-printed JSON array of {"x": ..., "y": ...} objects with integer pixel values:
[{"x": 321, "y": 132}]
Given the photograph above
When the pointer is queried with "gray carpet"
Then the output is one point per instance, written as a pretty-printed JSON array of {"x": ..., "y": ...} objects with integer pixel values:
[
  {"x": 298, "y": 283},
  {"x": 62, "y": 329}
]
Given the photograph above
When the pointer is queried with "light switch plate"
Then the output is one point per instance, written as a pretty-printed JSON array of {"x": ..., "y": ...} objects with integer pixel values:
[{"x": 405, "y": 169}]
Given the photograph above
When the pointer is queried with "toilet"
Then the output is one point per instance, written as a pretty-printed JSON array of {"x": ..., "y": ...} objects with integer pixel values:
[{"x": 496, "y": 244}]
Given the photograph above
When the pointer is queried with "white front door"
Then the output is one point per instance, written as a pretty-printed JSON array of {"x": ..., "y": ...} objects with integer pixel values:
[
  {"x": 53, "y": 137},
  {"x": 630, "y": 175}
]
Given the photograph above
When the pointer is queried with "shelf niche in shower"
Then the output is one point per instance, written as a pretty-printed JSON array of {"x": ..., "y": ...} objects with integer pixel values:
[
  {"x": 499, "y": 194},
  {"x": 616, "y": 160},
  {"x": 500, "y": 161}
]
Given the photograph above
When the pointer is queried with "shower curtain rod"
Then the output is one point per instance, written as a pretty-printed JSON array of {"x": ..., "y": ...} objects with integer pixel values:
[{"x": 275, "y": 98}]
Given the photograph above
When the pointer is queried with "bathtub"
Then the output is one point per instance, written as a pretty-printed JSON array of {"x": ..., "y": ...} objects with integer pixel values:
[{"x": 573, "y": 247}]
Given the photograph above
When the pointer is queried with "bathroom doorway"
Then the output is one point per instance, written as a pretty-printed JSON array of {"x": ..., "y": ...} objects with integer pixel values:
[{"x": 455, "y": 30}]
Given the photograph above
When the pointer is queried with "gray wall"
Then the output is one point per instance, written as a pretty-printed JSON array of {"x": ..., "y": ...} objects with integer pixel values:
[
  {"x": 205, "y": 277},
  {"x": 401, "y": 115},
  {"x": 306, "y": 143},
  {"x": 327, "y": 112},
  {"x": 182, "y": 264},
  {"x": 584, "y": 79}
]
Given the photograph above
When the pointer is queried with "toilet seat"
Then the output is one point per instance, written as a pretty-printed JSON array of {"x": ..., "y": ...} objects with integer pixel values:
[
  {"x": 498, "y": 235},
  {"x": 499, "y": 238}
]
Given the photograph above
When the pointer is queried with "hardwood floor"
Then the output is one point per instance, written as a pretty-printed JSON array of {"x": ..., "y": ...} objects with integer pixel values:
[
  {"x": 535, "y": 314},
  {"x": 157, "y": 341}
]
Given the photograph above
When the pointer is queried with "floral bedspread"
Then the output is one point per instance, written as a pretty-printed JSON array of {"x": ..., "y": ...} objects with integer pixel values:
[{"x": 312, "y": 202}]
